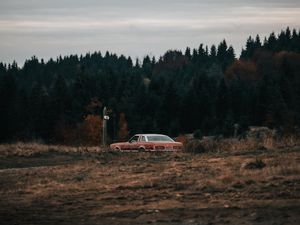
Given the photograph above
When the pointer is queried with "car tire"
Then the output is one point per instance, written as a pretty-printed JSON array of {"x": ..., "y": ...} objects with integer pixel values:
[{"x": 141, "y": 149}]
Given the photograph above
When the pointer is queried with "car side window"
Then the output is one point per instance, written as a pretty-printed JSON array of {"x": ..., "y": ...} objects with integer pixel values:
[
  {"x": 143, "y": 138},
  {"x": 134, "y": 139}
]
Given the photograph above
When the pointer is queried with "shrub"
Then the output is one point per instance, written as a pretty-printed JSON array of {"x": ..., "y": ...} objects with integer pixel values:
[
  {"x": 257, "y": 164},
  {"x": 123, "y": 128},
  {"x": 200, "y": 146},
  {"x": 91, "y": 130},
  {"x": 198, "y": 134},
  {"x": 181, "y": 138}
]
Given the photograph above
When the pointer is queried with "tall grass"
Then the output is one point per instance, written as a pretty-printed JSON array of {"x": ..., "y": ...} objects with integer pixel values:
[
  {"x": 28, "y": 149},
  {"x": 246, "y": 144}
]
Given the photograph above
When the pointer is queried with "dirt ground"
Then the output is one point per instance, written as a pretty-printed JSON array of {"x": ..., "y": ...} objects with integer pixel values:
[{"x": 257, "y": 187}]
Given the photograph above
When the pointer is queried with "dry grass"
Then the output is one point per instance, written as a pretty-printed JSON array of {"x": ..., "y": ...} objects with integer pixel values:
[
  {"x": 149, "y": 188},
  {"x": 247, "y": 144},
  {"x": 28, "y": 149}
]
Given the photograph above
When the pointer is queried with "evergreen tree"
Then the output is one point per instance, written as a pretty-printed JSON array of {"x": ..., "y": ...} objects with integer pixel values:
[
  {"x": 8, "y": 92},
  {"x": 208, "y": 91},
  {"x": 188, "y": 53}
]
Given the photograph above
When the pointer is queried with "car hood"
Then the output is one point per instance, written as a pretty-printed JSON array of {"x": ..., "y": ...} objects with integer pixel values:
[{"x": 149, "y": 142}]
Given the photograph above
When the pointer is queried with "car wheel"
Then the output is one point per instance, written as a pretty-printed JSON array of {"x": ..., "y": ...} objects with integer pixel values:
[
  {"x": 141, "y": 149},
  {"x": 117, "y": 149}
]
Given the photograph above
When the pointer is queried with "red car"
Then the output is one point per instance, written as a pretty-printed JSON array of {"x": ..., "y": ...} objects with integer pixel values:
[{"x": 148, "y": 142}]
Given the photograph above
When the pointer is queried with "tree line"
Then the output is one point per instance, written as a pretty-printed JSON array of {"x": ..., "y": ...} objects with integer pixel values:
[{"x": 206, "y": 89}]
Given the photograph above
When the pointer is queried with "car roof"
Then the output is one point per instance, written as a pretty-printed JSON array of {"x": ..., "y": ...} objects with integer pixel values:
[{"x": 151, "y": 134}]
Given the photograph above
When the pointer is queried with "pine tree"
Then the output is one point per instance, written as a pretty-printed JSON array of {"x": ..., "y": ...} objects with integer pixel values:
[
  {"x": 188, "y": 53},
  {"x": 8, "y": 94}
]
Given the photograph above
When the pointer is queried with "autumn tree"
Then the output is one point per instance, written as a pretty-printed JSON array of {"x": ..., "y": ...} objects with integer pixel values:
[
  {"x": 91, "y": 130},
  {"x": 123, "y": 128}
]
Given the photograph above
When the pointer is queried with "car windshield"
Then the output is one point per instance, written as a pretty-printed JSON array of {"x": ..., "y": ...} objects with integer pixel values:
[
  {"x": 133, "y": 139},
  {"x": 159, "y": 138}
]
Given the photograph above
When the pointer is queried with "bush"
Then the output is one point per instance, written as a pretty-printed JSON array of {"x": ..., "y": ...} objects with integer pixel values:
[
  {"x": 198, "y": 134},
  {"x": 91, "y": 130},
  {"x": 218, "y": 144},
  {"x": 200, "y": 146},
  {"x": 257, "y": 164},
  {"x": 181, "y": 138}
]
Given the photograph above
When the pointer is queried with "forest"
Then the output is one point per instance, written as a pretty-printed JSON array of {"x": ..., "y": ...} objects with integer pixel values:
[{"x": 204, "y": 91}]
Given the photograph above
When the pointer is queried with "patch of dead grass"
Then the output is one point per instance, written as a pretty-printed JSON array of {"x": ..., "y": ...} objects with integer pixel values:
[
  {"x": 33, "y": 148},
  {"x": 246, "y": 144}
]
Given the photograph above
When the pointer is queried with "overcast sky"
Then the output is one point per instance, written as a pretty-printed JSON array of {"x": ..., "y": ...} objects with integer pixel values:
[{"x": 48, "y": 28}]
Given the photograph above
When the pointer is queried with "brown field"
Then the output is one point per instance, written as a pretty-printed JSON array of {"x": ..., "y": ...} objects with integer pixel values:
[{"x": 62, "y": 185}]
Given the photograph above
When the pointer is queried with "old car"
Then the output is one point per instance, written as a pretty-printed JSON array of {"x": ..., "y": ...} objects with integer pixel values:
[{"x": 148, "y": 142}]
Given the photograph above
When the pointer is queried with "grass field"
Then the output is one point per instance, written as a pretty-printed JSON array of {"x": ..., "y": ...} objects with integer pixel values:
[{"x": 42, "y": 184}]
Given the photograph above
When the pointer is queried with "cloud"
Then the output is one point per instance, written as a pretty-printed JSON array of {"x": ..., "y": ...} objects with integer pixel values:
[{"x": 50, "y": 28}]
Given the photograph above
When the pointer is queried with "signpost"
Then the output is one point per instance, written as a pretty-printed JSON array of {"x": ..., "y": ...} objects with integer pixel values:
[
  {"x": 104, "y": 131},
  {"x": 236, "y": 128}
]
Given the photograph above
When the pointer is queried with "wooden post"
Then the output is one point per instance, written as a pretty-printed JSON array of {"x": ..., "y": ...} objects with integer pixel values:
[
  {"x": 236, "y": 128},
  {"x": 104, "y": 128}
]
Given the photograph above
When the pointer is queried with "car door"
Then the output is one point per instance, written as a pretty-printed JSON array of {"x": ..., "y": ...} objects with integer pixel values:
[
  {"x": 133, "y": 142},
  {"x": 128, "y": 145}
]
